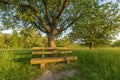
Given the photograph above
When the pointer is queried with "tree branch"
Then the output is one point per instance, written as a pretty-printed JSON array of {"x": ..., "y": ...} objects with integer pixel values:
[
  {"x": 29, "y": 2},
  {"x": 60, "y": 12},
  {"x": 62, "y": 29},
  {"x": 36, "y": 13},
  {"x": 65, "y": 21},
  {"x": 4, "y": 2},
  {"x": 47, "y": 11},
  {"x": 39, "y": 27},
  {"x": 42, "y": 22}
]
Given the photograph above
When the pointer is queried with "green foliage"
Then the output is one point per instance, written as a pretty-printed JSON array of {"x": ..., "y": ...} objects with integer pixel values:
[
  {"x": 31, "y": 37},
  {"x": 25, "y": 14},
  {"x": 98, "y": 26},
  {"x": 63, "y": 42},
  {"x": 54, "y": 16},
  {"x": 5, "y": 40},
  {"x": 15, "y": 40},
  {"x": 116, "y": 43},
  {"x": 25, "y": 38},
  {"x": 30, "y": 12}
]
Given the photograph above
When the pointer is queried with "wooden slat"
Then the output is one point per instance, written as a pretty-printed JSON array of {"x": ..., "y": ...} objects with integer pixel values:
[
  {"x": 63, "y": 48},
  {"x": 50, "y": 52},
  {"x": 50, "y": 48},
  {"x": 52, "y": 59},
  {"x": 41, "y": 48}
]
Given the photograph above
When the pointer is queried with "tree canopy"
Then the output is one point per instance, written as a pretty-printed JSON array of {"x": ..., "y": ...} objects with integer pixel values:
[
  {"x": 99, "y": 26},
  {"x": 50, "y": 16}
]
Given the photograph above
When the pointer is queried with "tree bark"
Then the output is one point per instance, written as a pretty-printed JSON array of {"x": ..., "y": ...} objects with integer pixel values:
[
  {"x": 51, "y": 40},
  {"x": 91, "y": 44}
]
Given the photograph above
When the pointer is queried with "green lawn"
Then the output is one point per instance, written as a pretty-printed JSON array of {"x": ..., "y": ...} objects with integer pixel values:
[{"x": 96, "y": 64}]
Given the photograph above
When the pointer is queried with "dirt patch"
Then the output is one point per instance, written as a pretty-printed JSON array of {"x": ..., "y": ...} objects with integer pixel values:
[{"x": 49, "y": 75}]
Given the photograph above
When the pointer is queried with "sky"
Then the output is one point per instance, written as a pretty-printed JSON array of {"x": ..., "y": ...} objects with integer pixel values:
[{"x": 7, "y": 31}]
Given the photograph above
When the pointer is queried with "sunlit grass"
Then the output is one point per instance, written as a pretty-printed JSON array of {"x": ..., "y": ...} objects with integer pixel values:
[
  {"x": 15, "y": 65},
  {"x": 95, "y": 64},
  {"x": 98, "y": 64}
]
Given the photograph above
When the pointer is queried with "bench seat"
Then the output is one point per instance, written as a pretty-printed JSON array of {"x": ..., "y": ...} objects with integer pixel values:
[
  {"x": 43, "y": 61},
  {"x": 55, "y": 52}
]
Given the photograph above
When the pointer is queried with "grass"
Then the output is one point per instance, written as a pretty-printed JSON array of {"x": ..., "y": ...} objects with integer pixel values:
[
  {"x": 96, "y": 64},
  {"x": 15, "y": 65}
]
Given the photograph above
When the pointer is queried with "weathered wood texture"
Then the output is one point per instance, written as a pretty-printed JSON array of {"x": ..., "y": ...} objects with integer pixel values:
[
  {"x": 52, "y": 59},
  {"x": 51, "y": 52},
  {"x": 49, "y": 48},
  {"x": 44, "y": 60}
]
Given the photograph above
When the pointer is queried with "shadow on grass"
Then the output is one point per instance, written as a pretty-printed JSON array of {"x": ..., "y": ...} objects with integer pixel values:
[{"x": 23, "y": 58}]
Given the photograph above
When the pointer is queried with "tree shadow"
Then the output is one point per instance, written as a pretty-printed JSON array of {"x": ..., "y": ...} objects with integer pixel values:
[{"x": 23, "y": 58}]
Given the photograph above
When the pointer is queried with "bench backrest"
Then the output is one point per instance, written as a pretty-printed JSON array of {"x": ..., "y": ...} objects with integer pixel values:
[{"x": 49, "y": 50}]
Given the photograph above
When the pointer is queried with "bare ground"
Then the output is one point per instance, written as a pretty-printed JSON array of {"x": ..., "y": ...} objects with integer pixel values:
[{"x": 49, "y": 75}]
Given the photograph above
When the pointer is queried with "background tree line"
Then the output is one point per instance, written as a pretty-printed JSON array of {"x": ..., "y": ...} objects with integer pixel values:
[
  {"x": 25, "y": 38},
  {"x": 28, "y": 38},
  {"x": 21, "y": 39}
]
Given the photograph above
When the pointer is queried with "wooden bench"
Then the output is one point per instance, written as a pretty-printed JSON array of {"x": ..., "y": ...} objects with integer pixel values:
[{"x": 62, "y": 52}]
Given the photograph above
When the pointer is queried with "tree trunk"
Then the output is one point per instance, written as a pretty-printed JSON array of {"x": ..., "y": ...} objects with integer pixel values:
[
  {"x": 91, "y": 44},
  {"x": 51, "y": 40}
]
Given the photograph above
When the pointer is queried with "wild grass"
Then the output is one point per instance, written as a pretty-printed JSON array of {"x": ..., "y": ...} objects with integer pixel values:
[
  {"x": 15, "y": 65},
  {"x": 96, "y": 64}
]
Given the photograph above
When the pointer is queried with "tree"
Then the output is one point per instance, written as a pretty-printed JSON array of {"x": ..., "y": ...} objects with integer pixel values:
[
  {"x": 49, "y": 16},
  {"x": 99, "y": 26},
  {"x": 30, "y": 37},
  {"x": 64, "y": 42},
  {"x": 5, "y": 40},
  {"x": 15, "y": 40},
  {"x": 116, "y": 43},
  {"x": 25, "y": 38},
  {"x": 2, "y": 41}
]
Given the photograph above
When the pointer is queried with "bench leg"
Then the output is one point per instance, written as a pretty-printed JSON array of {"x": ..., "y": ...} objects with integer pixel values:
[
  {"x": 42, "y": 65},
  {"x": 68, "y": 61}
]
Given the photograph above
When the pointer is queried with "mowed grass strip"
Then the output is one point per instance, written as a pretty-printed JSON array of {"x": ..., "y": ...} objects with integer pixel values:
[{"x": 96, "y": 64}]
